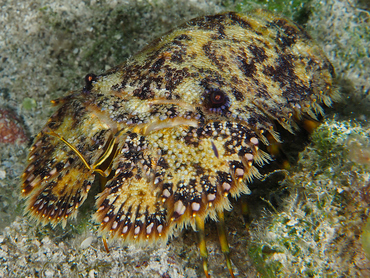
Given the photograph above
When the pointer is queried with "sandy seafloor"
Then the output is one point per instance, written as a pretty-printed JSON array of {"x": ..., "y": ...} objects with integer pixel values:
[{"x": 47, "y": 47}]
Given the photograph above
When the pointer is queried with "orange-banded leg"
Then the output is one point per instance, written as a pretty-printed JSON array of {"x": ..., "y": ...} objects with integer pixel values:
[
  {"x": 223, "y": 240},
  {"x": 310, "y": 125},
  {"x": 105, "y": 244},
  {"x": 202, "y": 243},
  {"x": 245, "y": 213}
]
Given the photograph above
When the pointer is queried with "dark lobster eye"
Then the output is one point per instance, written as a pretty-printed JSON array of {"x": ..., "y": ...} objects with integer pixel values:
[
  {"x": 89, "y": 79},
  {"x": 216, "y": 99}
]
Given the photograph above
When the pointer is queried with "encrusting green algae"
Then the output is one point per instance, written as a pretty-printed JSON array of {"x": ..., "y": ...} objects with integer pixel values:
[{"x": 325, "y": 212}]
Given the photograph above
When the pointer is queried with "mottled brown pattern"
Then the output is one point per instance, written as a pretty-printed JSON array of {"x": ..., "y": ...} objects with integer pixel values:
[{"x": 179, "y": 125}]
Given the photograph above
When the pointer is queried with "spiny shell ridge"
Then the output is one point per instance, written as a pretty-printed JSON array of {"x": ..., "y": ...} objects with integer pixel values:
[{"x": 183, "y": 122}]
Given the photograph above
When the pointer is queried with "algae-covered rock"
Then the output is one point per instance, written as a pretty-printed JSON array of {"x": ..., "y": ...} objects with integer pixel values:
[{"x": 317, "y": 232}]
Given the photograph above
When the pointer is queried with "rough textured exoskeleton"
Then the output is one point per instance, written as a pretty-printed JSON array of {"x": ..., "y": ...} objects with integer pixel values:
[{"x": 177, "y": 127}]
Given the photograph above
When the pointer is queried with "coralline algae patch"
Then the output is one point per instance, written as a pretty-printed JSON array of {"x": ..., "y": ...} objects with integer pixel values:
[
  {"x": 13, "y": 139},
  {"x": 11, "y": 130}
]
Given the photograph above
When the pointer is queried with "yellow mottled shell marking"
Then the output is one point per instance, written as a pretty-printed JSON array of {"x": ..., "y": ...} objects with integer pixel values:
[{"x": 178, "y": 126}]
